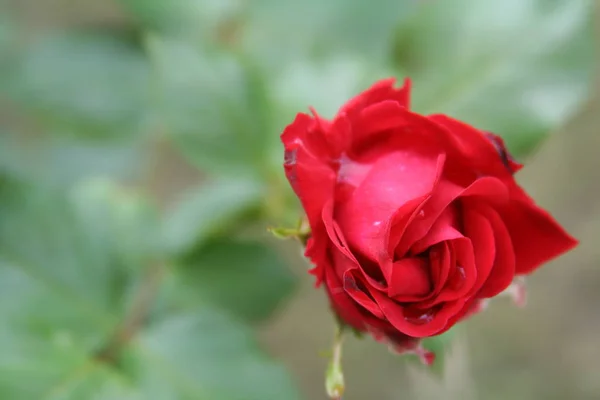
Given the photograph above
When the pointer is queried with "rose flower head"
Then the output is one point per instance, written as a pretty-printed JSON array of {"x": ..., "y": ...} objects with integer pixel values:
[{"x": 415, "y": 220}]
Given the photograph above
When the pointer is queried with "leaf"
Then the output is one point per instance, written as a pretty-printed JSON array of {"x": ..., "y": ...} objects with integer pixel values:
[
  {"x": 196, "y": 19},
  {"x": 206, "y": 209},
  {"x": 69, "y": 265},
  {"x": 93, "y": 84},
  {"x": 215, "y": 107},
  {"x": 518, "y": 68},
  {"x": 87, "y": 237},
  {"x": 55, "y": 160},
  {"x": 336, "y": 27},
  {"x": 249, "y": 279},
  {"x": 206, "y": 355},
  {"x": 64, "y": 286}
]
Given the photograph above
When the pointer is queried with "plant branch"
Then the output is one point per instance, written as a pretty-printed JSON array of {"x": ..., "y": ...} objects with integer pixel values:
[
  {"x": 134, "y": 320},
  {"x": 334, "y": 380}
]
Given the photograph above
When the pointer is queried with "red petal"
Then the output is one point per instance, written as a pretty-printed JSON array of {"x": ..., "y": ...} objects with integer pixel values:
[
  {"x": 493, "y": 189},
  {"x": 393, "y": 181},
  {"x": 462, "y": 276},
  {"x": 351, "y": 287},
  {"x": 428, "y": 323},
  {"x": 386, "y": 115},
  {"x": 479, "y": 229},
  {"x": 536, "y": 236},
  {"x": 338, "y": 239},
  {"x": 345, "y": 307},
  {"x": 312, "y": 179},
  {"x": 503, "y": 270},
  {"x": 410, "y": 277},
  {"x": 380, "y": 91},
  {"x": 474, "y": 147},
  {"x": 444, "y": 228}
]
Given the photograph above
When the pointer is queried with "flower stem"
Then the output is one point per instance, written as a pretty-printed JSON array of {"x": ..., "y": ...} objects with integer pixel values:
[{"x": 334, "y": 379}]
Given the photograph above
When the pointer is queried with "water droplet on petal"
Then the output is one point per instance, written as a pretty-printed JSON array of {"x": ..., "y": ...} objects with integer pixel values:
[
  {"x": 458, "y": 278},
  {"x": 422, "y": 214},
  {"x": 376, "y": 223},
  {"x": 418, "y": 317}
]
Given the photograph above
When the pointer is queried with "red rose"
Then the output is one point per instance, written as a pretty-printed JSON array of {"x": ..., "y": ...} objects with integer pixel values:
[{"x": 415, "y": 219}]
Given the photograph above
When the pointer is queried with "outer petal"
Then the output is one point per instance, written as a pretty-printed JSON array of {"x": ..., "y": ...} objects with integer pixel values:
[
  {"x": 307, "y": 167},
  {"x": 312, "y": 178},
  {"x": 380, "y": 91},
  {"x": 536, "y": 236},
  {"x": 475, "y": 148}
]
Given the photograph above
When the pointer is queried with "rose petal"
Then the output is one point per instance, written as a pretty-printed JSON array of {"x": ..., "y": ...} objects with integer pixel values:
[
  {"x": 503, "y": 271},
  {"x": 339, "y": 241},
  {"x": 441, "y": 259},
  {"x": 462, "y": 275},
  {"x": 428, "y": 323},
  {"x": 490, "y": 188},
  {"x": 347, "y": 309},
  {"x": 393, "y": 181},
  {"x": 410, "y": 277},
  {"x": 351, "y": 286},
  {"x": 536, "y": 236},
  {"x": 380, "y": 91},
  {"x": 474, "y": 147},
  {"x": 312, "y": 179},
  {"x": 444, "y": 228},
  {"x": 479, "y": 229},
  {"x": 381, "y": 116}
]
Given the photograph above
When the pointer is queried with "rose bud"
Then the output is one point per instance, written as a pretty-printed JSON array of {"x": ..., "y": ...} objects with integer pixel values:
[{"x": 415, "y": 220}]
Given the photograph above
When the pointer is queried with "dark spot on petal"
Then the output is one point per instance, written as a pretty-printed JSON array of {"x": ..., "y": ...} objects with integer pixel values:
[
  {"x": 504, "y": 155},
  {"x": 350, "y": 283}
]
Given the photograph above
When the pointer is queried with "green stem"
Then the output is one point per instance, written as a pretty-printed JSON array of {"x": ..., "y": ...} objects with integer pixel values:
[
  {"x": 134, "y": 320},
  {"x": 334, "y": 380}
]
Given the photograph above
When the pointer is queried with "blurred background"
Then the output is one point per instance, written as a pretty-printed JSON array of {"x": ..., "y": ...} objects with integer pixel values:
[{"x": 140, "y": 166}]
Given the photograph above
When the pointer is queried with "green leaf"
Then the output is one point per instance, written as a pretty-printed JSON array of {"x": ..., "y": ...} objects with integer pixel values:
[
  {"x": 70, "y": 268},
  {"x": 335, "y": 27},
  {"x": 80, "y": 244},
  {"x": 518, "y": 68},
  {"x": 207, "y": 209},
  {"x": 214, "y": 106},
  {"x": 206, "y": 355},
  {"x": 93, "y": 84},
  {"x": 55, "y": 160},
  {"x": 196, "y": 19},
  {"x": 65, "y": 284},
  {"x": 249, "y": 279}
]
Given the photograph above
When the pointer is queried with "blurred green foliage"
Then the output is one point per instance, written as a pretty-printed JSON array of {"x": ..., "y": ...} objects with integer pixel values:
[{"x": 104, "y": 294}]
